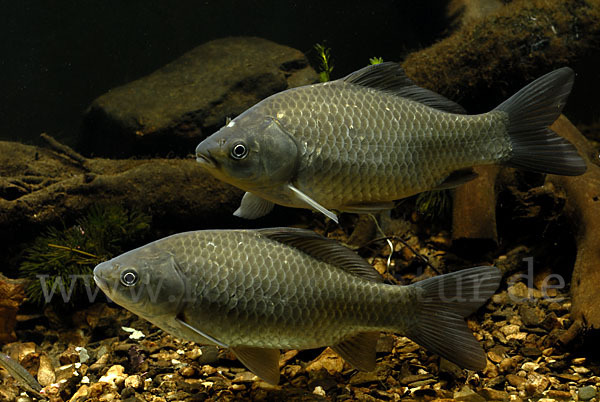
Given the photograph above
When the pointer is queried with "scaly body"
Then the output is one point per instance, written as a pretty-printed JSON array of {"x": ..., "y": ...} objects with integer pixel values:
[
  {"x": 262, "y": 290},
  {"x": 360, "y": 145}
]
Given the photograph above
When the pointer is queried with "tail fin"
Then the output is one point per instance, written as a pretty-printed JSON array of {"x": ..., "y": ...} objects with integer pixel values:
[
  {"x": 530, "y": 111},
  {"x": 444, "y": 302}
]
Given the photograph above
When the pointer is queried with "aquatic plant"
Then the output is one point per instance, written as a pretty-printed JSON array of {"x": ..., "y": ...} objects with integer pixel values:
[
  {"x": 326, "y": 66},
  {"x": 60, "y": 262},
  {"x": 375, "y": 60},
  {"x": 434, "y": 205}
]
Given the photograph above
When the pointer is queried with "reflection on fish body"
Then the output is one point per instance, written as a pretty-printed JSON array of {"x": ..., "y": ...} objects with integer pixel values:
[
  {"x": 258, "y": 291},
  {"x": 359, "y": 143}
]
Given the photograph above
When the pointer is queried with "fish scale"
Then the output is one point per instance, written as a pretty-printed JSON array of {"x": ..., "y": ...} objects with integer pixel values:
[
  {"x": 265, "y": 274},
  {"x": 385, "y": 147}
]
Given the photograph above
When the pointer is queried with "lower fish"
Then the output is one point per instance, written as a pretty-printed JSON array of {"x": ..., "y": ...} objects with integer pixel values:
[
  {"x": 259, "y": 291},
  {"x": 359, "y": 143}
]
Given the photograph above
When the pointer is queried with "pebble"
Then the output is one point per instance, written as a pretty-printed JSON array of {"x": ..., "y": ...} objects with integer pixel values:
[
  {"x": 45, "y": 374},
  {"x": 494, "y": 356},
  {"x": 100, "y": 363},
  {"x": 466, "y": 394},
  {"x": 82, "y": 394},
  {"x": 519, "y": 292},
  {"x": 586, "y": 393},
  {"x": 516, "y": 381},
  {"x": 328, "y": 360},
  {"x": 380, "y": 374},
  {"x": 510, "y": 329},
  {"x": 536, "y": 384},
  {"x": 559, "y": 395},
  {"x": 531, "y": 316},
  {"x": 134, "y": 381},
  {"x": 530, "y": 366},
  {"x": 581, "y": 370},
  {"x": 69, "y": 356},
  {"x": 490, "y": 394},
  {"x": 115, "y": 375},
  {"x": 507, "y": 365},
  {"x": 319, "y": 391}
]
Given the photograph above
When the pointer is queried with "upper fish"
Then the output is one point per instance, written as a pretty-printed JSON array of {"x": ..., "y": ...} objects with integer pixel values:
[
  {"x": 361, "y": 142},
  {"x": 258, "y": 291}
]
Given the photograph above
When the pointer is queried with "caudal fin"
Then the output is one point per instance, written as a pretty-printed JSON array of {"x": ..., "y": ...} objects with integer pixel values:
[
  {"x": 530, "y": 111},
  {"x": 443, "y": 303}
]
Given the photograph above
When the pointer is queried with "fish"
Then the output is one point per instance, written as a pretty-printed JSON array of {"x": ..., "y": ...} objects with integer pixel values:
[
  {"x": 23, "y": 377},
  {"x": 360, "y": 143},
  {"x": 257, "y": 291}
]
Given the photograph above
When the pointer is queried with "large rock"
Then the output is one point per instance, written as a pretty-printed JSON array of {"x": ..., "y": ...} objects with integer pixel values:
[{"x": 175, "y": 107}]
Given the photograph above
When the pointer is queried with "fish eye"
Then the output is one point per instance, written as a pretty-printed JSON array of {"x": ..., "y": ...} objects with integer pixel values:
[
  {"x": 239, "y": 151},
  {"x": 129, "y": 277}
]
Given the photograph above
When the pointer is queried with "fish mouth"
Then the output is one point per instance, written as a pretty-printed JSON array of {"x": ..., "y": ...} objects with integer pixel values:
[
  {"x": 206, "y": 161},
  {"x": 100, "y": 282}
]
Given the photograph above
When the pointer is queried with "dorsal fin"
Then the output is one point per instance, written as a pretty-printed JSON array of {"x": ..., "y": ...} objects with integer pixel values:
[
  {"x": 390, "y": 77},
  {"x": 323, "y": 249}
]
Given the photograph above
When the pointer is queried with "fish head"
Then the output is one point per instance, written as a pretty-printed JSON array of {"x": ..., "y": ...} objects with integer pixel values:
[
  {"x": 146, "y": 281},
  {"x": 252, "y": 152}
]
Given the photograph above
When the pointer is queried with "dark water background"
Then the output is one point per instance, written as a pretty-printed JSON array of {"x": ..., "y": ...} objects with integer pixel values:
[{"x": 59, "y": 55}]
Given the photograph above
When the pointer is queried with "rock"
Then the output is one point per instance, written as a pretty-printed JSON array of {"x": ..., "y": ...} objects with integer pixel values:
[
  {"x": 100, "y": 363},
  {"x": 536, "y": 384},
  {"x": 490, "y": 394},
  {"x": 175, "y": 107},
  {"x": 531, "y": 316},
  {"x": 516, "y": 381},
  {"x": 328, "y": 360},
  {"x": 412, "y": 378},
  {"x": 519, "y": 292},
  {"x": 468, "y": 395},
  {"x": 586, "y": 393},
  {"x": 510, "y": 329},
  {"x": 45, "y": 374},
  {"x": 134, "y": 381},
  {"x": 12, "y": 294},
  {"x": 82, "y": 394},
  {"x": 507, "y": 365},
  {"x": 560, "y": 395},
  {"x": 529, "y": 351},
  {"x": 115, "y": 376},
  {"x": 380, "y": 374},
  {"x": 69, "y": 356},
  {"x": 244, "y": 376},
  {"x": 530, "y": 366}
]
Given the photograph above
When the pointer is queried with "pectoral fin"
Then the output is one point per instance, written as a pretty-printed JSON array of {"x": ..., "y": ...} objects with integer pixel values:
[
  {"x": 195, "y": 330},
  {"x": 359, "y": 350},
  {"x": 262, "y": 362},
  {"x": 253, "y": 207},
  {"x": 305, "y": 199}
]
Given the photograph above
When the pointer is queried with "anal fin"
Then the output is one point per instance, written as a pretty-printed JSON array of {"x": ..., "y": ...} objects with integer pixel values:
[
  {"x": 262, "y": 362},
  {"x": 253, "y": 207},
  {"x": 312, "y": 203},
  {"x": 359, "y": 350}
]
